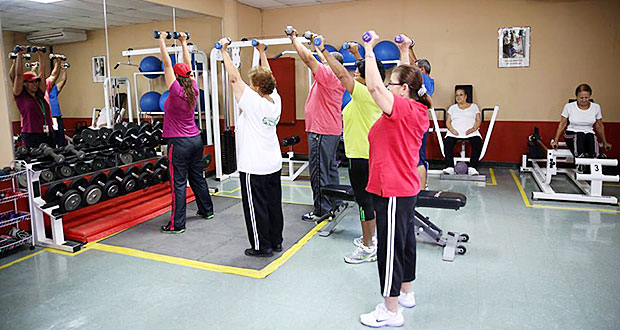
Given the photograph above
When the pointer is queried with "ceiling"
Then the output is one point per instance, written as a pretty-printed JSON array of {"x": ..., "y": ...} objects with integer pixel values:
[
  {"x": 28, "y": 16},
  {"x": 269, "y": 4}
]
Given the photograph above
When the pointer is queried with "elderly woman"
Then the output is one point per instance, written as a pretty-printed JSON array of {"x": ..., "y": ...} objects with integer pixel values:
[
  {"x": 580, "y": 118},
  {"x": 463, "y": 122}
]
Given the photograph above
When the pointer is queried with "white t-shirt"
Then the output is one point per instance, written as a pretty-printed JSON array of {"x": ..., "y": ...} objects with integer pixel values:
[
  {"x": 258, "y": 148},
  {"x": 581, "y": 120},
  {"x": 463, "y": 119}
]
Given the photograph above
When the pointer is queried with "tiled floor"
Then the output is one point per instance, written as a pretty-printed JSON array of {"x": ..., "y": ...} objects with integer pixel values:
[{"x": 526, "y": 267}]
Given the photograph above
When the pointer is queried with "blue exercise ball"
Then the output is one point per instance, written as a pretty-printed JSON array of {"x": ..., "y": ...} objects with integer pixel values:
[
  {"x": 349, "y": 58},
  {"x": 149, "y": 101},
  {"x": 387, "y": 51},
  {"x": 173, "y": 60},
  {"x": 329, "y": 48},
  {"x": 150, "y": 64},
  {"x": 346, "y": 98},
  {"x": 162, "y": 100}
]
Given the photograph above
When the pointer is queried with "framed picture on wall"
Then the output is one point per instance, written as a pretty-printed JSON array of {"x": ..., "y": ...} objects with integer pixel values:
[
  {"x": 98, "y": 69},
  {"x": 513, "y": 47}
]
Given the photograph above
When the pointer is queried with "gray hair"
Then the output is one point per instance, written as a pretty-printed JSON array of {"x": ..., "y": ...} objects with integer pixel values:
[
  {"x": 337, "y": 56},
  {"x": 424, "y": 64}
]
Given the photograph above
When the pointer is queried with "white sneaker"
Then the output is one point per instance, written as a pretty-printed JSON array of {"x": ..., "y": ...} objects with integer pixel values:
[
  {"x": 362, "y": 254},
  {"x": 407, "y": 299},
  {"x": 472, "y": 171},
  {"x": 382, "y": 317},
  {"x": 359, "y": 241},
  {"x": 448, "y": 170}
]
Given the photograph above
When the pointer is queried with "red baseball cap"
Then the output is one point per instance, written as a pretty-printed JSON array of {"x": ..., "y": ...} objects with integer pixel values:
[
  {"x": 30, "y": 76},
  {"x": 183, "y": 70}
]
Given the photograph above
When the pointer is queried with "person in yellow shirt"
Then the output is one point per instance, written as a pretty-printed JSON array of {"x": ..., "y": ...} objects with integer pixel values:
[{"x": 358, "y": 117}]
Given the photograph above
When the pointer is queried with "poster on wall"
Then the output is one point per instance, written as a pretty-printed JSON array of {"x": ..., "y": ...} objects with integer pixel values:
[
  {"x": 98, "y": 68},
  {"x": 514, "y": 47}
]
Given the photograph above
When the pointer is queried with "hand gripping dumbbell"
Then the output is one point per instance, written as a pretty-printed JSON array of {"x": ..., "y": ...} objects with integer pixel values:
[
  {"x": 31, "y": 65},
  {"x": 177, "y": 35},
  {"x": 91, "y": 193},
  {"x": 310, "y": 35},
  {"x": 68, "y": 199},
  {"x": 116, "y": 139},
  {"x": 218, "y": 45},
  {"x": 127, "y": 182},
  {"x": 289, "y": 30},
  {"x": 110, "y": 188},
  {"x": 142, "y": 140},
  {"x": 143, "y": 179},
  {"x": 19, "y": 48},
  {"x": 48, "y": 151},
  {"x": 58, "y": 57},
  {"x": 399, "y": 38},
  {"x": 14, "y": 56},
  {"x": 159, "y": 173},
  {"x": 36, "y": 49},
  {"x": 70, "y": 148},
  {"x": 157, "y": 34},
  {"x": 256, "y": 43},
  {"x": 66, "y": 65}
]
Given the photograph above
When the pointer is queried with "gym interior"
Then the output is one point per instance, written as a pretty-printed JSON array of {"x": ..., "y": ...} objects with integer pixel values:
[{"x": 530, "y": 241}]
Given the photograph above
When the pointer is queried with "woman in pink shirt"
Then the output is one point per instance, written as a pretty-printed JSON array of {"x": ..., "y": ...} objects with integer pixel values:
[
  {"x": 394, "y": 181},
  {"x": 184, "y": 142}
]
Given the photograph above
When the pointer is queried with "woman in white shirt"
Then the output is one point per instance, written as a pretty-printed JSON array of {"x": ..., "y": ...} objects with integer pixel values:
[
  {"x": 463, "y": 121},
  {"x": 580, "y": 118},
  {"x": 258, "y": 154}
]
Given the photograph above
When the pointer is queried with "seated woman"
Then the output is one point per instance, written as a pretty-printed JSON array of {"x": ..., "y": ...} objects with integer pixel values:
[
  {"x": 463, "y": 121},
  {"x": 581, "y": 117}
]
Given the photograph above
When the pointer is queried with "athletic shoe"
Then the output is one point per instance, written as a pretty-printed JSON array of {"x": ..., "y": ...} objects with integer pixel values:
[
  {"x": 309, "y": 217},
  {"x": 277, "y": 248},
  {"x": 472, "y": 171},
  {"x": 407, "y": 299},
  {"x": 362, "y": 254},
  {"x": 448, "y": 170},
  {"x": 209, "y": 216},
  {"x": 359, "y": 241},
  {"x": 382, "y": 317},
  {"x": 166, "y": 230},
  {"x": 258, "y": 253}
]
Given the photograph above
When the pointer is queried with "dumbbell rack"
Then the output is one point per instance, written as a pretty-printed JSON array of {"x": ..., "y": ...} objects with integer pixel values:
[{"x": 14, "y": 194}]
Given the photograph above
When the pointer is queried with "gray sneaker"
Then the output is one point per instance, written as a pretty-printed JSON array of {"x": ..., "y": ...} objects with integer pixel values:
[
  {"x": 359, "y": 241},
  {"x": 362, "y": 254}
]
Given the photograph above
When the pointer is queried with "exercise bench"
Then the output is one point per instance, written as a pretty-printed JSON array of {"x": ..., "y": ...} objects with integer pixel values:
[{"x": 426, "y": 230}]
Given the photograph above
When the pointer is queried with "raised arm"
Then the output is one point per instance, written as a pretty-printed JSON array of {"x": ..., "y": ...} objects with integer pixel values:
[
  {"x": 304, "y": 53},
  {"x": 18, "y": 81},
  {"x": 354, "y": 49},
  {"x": 233, "y": 74},
  {"x": 42, "y": 69},
  {"x": 319, "y": 49},
  {"x": 187, "y": 59},
  {"x": 264, "y": 62},
  {"x": 600, "y": 129},
  {"x": 53, "y": 77},
  {"x": 404, "y": 48},
  {"x": 168, "y": 71},
  {"x": 12, "y": 72},
  {"x": 413, "y": 59},
  {"x": 62, "y": 79},
  {"x": 560, "y": 130},
  {"x": 339, "y": 70},
  {"x": 380, "y": 94}
]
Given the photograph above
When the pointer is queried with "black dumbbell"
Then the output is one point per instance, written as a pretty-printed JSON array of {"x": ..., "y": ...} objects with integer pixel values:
[
  {"x": 24, "y": 56},
  {"x": 36, "y": 49},
  {"x": 66, "y": 65},
  {"x": 140, "y": 139},
  {"x": 21, "y": 152},
  {"x": 290, "y": 141},
  {"x": 127, "y": 182},
  {"x": 157, "y": 34},
  {"x": 68, "y": 199},
  {"x": 32, "y": 65},
  {"x": 149, "y": 152},
  {"x": 48, "y": 151},
  {"x": 149, "y": 135},
  {"x": 97, "y": 164},
  {"x": 116, "y": 139},
  {"x": 90, "y": 136},
  {"x": 80, "y": 167},
  {"x": 70, "y": 148},
  {"x": 64, "y": 171},
  {"x": 91, "y": 193},
  {"x": 110, "y": 188},
  {"x": 136, "y": 155},
  {"x": 158, "y": 175},
  {"x": 126, "y": 158},
  {"x": 143, "y": 179},
  {"x": 47, "y": 175},
  {"x": 177, "y": 35},
  {"x": 104, "y": 132},
  {"x": 19, "y": 48}
]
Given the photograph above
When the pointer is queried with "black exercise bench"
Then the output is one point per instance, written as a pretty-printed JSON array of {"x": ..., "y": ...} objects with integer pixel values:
[{"x": 425, "y": 229}]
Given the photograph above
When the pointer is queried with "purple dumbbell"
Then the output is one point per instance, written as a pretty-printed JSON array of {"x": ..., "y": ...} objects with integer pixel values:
[
  {"x": 366, "y": 36},
  {"x": 399, "y": 38}
]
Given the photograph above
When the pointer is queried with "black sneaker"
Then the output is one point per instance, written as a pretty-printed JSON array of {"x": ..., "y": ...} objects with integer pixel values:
[
  {"x": 277, "y": 248},
  {"x": 209, "y": 216},
  {"x": 258, "y": 253},
  {"x": 166, "y": 230}
]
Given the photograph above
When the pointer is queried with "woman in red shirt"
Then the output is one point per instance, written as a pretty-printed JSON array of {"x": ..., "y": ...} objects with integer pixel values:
[{"x": 394, "y": 181}]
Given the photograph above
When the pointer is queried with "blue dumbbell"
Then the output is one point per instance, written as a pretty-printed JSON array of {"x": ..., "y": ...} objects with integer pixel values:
[
  {"x": 157, "y": 34},
  {"x": 217, "y": 44},
  {"x": 256, "y": 42},
  {"x": 177, "y": 35}
]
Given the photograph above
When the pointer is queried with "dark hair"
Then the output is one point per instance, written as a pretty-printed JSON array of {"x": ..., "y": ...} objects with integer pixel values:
[
  {"x": 412, "y": 76},
  {"x": 462, "y": 89},
  {"x": 361, "y": 67},
  {"x": 424, "y": 64},
  {"x": 337, "y": 56},
  {"x": 583, "y": 88},
  {"x": 188, "y": 87},
  {"x": 263, "y": 79}
]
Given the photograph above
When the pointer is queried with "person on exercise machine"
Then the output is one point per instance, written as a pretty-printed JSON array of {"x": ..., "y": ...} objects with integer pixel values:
[
  {"x": 358, "y": 117},
  {"x": 393, "y": 180},
  {"x": 463, "y": 121},
  {"x": 323, "y": 126},
  {"x": 580, "y": 118},
  {"x": 259, "y": 156},
  {"x": 184, "y": 142},
  {"x": 29, "y": 94}
]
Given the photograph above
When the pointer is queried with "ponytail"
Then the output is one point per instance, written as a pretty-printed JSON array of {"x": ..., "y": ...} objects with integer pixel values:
[{"x": 188, "y": 87}]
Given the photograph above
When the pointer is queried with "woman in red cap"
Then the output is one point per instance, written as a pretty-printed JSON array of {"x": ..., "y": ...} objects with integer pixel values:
[
  {"x": 29, "y": 94},
  {"x": 184, "y": 141}
]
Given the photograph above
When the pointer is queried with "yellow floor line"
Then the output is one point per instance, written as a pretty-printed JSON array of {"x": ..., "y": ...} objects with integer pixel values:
[
  {"x": 226, "y": 191},
  {"x": 285, "y": 202},
  {"x": 493, "y": 180},
  {"x": 611, "y": 184},
  {"x": 9, "y": 264},
  {"x": 568, "y": 208},
  {"x": 296, "y": 185}
]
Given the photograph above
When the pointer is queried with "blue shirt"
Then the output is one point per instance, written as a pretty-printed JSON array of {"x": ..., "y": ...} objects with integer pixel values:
[
  {"x": 54, "y": 105},
  {"x": 429, "y": 83}
]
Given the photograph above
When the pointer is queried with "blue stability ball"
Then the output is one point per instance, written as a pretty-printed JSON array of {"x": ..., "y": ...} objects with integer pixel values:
[
  {"x": 346, "y": 98},
  {"x": 149, "y": 101},
  {"x": 329, "y": 48},
  {"x": 173, "y": 60},
  {"x": 387, "y": 51},
  {"x": 349, "y": 58},
  {"x": 162, "y": 100},
  {"x": 150, "y": 64}
]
